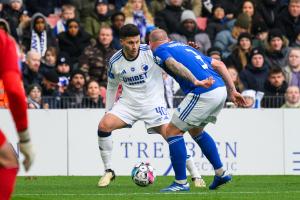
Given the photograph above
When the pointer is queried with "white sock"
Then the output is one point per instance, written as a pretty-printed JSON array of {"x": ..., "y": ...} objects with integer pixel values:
[
  {"x": 191, "y": 167},
  {"x": 105, "y": 147}
]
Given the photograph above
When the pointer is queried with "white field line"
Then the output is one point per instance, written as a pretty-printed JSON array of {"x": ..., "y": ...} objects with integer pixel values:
[{"x": 157, "y": 193}]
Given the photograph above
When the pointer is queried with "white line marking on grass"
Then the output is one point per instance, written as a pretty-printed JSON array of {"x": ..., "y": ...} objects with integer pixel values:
[{"x": 158, "y": 193}]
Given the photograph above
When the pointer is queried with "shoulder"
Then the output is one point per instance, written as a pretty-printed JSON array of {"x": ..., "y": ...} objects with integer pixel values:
[
  {"x": 144, "y": 47},
  {"x": 145, "y": 51},
  {"x": 115, "y": 57}
]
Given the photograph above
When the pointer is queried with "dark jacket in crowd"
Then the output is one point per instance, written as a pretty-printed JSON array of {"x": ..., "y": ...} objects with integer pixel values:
[
  {"x": 274, "y": 96},
  {"x": 254, "y": 78},
  {"x": 72, "y": 98},
  {"x": 215, "y": 26},
  {"x": 42, "y": 6},
  {"x": 234, "y": 60},
  {"x": 169, "y": 19},
  {"x": 30, "y": 77},
  {"x": 288, "y": 25},
  {"x": 74, "y": 46},
  {"x": 268, "y": 10},
  {"x": 277, "y": 58},
  {"x": 89, "y": 103},
  {"x": 94, "y": 61},
  {"x": 12, "y": 17},
  {"x": 116, "y": 39}
]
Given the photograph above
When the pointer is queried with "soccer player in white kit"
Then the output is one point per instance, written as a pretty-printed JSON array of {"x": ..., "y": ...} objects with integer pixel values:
[{"x": 142, "y": 98}]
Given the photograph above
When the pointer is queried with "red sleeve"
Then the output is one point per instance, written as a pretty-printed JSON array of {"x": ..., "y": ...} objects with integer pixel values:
[{"x": 11, "y": 76}]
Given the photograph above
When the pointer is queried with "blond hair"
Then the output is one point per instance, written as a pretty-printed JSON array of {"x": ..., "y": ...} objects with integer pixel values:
[
  {"x": 128, "y": 11},
  {"x": 68, "y": 7}
]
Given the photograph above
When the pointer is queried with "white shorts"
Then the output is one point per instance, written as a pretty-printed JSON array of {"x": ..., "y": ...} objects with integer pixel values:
[
  {"x": 153, "y": 116},
  {"x": 197, "y": 110}
]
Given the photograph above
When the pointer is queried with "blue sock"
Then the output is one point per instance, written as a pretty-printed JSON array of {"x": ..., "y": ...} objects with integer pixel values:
[
  {"x": 178, "y": 156},
  {"x": 209, "y": 149}
]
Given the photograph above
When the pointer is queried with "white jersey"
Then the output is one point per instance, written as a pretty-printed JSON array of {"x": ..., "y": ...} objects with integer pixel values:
[{"x": 141, "y": 79}]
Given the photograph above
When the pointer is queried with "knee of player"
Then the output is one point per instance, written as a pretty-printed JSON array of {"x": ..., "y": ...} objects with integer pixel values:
[
  {"x": 105, "y": 126},
  {"x": 172, "y": 130}
]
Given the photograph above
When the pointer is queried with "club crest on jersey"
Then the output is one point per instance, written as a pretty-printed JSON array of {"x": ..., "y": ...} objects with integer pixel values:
[
  {"x": 145, "y": 67},
  {"x": 132, "y": 69}
]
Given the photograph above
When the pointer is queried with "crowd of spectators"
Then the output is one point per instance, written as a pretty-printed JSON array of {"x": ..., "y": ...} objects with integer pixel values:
[{"x": 64, "y": 45}]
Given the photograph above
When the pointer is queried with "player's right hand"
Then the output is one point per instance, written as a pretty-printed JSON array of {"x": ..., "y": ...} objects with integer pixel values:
[
  {"x": 206, "y": 83},
  {"x": 27, "y": 150},
  {"x": 237, "y": 99}
]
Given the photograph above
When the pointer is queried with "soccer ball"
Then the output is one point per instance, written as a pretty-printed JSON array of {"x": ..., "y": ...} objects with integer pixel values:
[{"x": 143, "y": 174}]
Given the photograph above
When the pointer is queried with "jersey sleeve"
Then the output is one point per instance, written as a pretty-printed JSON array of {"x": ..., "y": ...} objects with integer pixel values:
[
  {"x": 113, "y": 81},
  {"x": 161, "y": 55},
  {"x": 11, "y": 76}
]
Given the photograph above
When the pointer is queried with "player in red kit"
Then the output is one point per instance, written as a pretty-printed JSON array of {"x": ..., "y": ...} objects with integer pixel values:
[{"x": 11, "y": 77}]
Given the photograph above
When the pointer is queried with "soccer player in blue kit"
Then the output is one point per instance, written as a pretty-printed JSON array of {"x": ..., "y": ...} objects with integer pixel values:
[{"x": 200, "y": 106}]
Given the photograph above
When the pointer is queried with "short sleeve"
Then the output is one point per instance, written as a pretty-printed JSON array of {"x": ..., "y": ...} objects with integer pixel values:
[{"x": 161, "y": 55}]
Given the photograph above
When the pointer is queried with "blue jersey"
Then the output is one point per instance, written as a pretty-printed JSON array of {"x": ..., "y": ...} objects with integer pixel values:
[{"x": 192, "y": 59}]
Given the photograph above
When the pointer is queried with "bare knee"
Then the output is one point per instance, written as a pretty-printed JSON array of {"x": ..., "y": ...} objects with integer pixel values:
[
  {"x": 172, "y": 130},
  {"x": 105, "y": 126}
]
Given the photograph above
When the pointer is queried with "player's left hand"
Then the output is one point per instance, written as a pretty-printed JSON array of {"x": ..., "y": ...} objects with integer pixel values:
[
  {"x": 237, "y": 99},
  {"x": 206, "y": 83},
  {"x": 194, "y": 45}
]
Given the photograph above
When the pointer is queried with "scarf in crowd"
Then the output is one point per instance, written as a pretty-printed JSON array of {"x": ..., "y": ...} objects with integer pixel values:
[
  {"x": 60, "y": 27},
  {"x": 140, "y": 21},
  {"x": 34, "y": 103},
  {"x": 39, "y": 43}
]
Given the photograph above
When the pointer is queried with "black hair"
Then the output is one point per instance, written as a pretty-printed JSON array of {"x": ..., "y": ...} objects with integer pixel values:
[
  {"x": 129, "y": 30},
  {"x": 275, "y": 70},
  {"x": 113, "y": 16}
]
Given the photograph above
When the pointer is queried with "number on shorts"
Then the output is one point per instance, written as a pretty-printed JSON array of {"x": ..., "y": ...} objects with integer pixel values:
[{"x": 161, "y": 110}]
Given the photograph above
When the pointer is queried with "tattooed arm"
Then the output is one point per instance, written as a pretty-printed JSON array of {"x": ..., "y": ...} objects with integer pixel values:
[{"x": 180, "y": 70}]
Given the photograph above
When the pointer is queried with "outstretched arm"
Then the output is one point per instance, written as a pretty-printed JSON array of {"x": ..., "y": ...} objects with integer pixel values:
[{"x": 180, "y": 70}]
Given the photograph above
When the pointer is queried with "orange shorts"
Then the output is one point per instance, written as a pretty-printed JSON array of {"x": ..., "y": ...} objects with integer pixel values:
[{"x": 2, "y": 138}]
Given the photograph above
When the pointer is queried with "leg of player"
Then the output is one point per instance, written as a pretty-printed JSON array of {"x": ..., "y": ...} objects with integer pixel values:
[
  {"x": 8, "y": 169},
  {"x": 107, "y": 124},
  {"x": 178, "y": 158},
  {"x": 190, "y": 165},
  {"x": 209, "y": 149}
]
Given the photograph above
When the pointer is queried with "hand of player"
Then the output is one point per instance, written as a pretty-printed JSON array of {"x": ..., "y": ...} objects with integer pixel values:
[
  {"x": 194, "y": 45},
  {"x": 26, "y": 149},
  {"x": 206, "y": 83},
  {"x": 237, "y": 99}
]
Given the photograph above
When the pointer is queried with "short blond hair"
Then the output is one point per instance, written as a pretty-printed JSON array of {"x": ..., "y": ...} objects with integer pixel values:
[{"x": 68, "y": 7}]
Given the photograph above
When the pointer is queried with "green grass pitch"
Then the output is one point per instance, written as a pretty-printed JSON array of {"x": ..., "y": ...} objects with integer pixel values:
[{"x": 84, "y": 188}]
